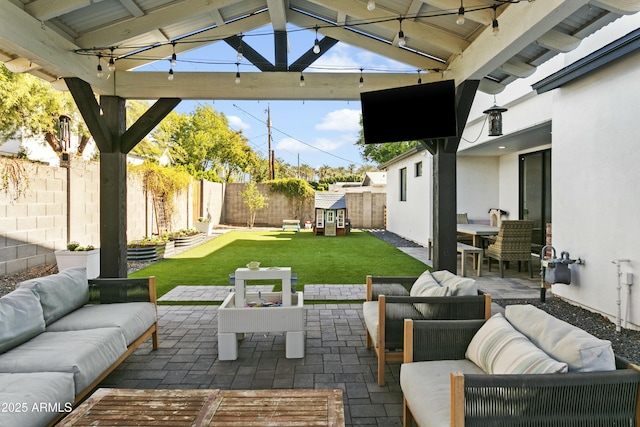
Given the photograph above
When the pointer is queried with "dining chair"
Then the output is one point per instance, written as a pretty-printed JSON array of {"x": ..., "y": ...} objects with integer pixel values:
[
  {"x": 462, "y": 218},
  {"x": 513, "y": 243}
]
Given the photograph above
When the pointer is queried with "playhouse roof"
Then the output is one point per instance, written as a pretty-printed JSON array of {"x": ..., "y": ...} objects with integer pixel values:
[{"x": 330, "y": 201}]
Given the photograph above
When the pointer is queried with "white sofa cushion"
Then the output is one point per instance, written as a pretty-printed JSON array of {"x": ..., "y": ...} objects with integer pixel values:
[
  {"x": 85, "y": 354},
  {"x": 497, "y": 348},
  {"x": 427, "y": 388},
  {"x": 60, "y": 293},
  {"x": 458, "y": 286},
  {"x": 133, "y": 319},
  {"x": 580, "y": 350},
  {"x": 44, "y": 395},
  {"x": 21, "y": 318}
]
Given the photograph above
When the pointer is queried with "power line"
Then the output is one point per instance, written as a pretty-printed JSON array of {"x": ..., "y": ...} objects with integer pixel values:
[{"x": 297, "y": 139}]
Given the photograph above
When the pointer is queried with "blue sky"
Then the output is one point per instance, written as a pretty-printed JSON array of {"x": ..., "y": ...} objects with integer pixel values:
[{"x": 315, "y": 133}]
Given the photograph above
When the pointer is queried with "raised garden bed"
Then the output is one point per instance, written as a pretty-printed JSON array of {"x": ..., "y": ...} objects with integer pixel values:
[{"x": 150, "y": 252}]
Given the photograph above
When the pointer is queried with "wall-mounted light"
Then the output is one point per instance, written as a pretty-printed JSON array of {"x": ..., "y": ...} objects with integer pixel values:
[{"x": 495, "y": 119}]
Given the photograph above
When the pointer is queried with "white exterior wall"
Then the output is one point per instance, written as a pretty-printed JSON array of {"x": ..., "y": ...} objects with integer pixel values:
[
  {"x": 596, "y": 184},
  {"x": 413, "y": 218},
  {"x": 478, "y": 187}
]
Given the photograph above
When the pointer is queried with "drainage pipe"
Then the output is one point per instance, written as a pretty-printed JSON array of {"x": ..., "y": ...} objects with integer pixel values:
[{"x": 618, "y": 262}]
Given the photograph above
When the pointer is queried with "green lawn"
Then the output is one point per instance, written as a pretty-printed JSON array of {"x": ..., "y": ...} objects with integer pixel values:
[{"x": 315, "y": 259}]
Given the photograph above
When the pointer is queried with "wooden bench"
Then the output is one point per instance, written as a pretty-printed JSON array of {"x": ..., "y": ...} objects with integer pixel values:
[
  {"x": 291, "y": 224},
  {"x": 464, "y": 250}
]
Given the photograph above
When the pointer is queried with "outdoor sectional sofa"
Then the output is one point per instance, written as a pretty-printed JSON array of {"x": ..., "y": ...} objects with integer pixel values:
[
  {"x": 60, "y": 335},
  {"x": 432, "y": 295},
  {"x": 526, "y": 368}
]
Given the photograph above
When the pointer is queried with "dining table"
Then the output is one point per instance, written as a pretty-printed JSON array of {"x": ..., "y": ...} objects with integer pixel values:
[{"x": 478, "y": 233}]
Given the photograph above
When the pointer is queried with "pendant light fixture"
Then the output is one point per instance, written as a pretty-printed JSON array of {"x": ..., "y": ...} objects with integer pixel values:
[
  {"x": 371, "y": 5},
  {"x": 495, "y": 119},
  {"x": 170, "y": 76},
  {"x": 112, "y": 62},
  {"x": 302, "y": 83},
  {"x": 361, "y": 83},
  {"x": 237, "y": 73},
  {"x": 240, "y": 56}
]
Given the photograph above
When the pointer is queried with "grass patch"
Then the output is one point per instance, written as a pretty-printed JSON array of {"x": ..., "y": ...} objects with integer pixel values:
[{"x": 315, "y": 259}]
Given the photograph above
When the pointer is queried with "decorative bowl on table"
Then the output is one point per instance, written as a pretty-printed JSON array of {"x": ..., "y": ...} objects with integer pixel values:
[{"x": 253, "y": 265}]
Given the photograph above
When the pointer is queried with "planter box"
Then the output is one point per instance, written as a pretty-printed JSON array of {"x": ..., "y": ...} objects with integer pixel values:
[
  {"x": 205, "y": 227},
  {"x": 187, "y": 240},
  {"x": 150, "y": 253},
  {"x": 87, "y": 259}
]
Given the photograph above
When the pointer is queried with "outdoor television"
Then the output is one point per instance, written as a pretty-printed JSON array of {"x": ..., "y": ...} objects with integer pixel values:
[{"x": 410, "y": 113}]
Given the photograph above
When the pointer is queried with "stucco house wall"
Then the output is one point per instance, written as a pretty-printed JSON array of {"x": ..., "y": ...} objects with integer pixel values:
[
  {"x": 596, "y": 183},
  {"x": 591, "y": 126}
]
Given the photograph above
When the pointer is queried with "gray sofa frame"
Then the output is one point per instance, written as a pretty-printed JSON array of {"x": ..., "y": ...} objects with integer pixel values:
[
  {"x": 575, "y": 399},
  {"x": 394, "y": 290}
]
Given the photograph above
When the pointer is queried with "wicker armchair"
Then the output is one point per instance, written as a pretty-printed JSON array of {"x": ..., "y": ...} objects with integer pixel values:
[
  {"x": 512, "y": 244},
  {"x": 393, "y": 304}
]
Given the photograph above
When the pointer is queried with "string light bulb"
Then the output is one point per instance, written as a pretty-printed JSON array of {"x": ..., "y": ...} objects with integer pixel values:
[
  {"x": 361, "y": 84},
  {"x": 401, "y": 40},
  {"x": 170, "y": 76},
  {"x": 371, "y": 5},
  {"x": 302, "y": 83},
  {"x": 316, "y": 44},
  {"x": 112, "y": 62},
  {"x": 99, "y": 72},
  {"x": 238, "y": 74},
  {"x": 419, "y": 77},
  {"x": 174, "y": 58},
  {"x": 460, "y": 19},
  {"x": 494, "y": 24},
  {"x": 240, "y": 55}
]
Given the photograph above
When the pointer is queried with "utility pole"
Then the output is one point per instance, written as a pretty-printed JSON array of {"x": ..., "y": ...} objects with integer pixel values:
[{"x": 270, "y": 154}]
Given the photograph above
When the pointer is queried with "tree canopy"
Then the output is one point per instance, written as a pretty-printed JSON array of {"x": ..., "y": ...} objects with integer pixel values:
[{"x": 381, "y": 153}]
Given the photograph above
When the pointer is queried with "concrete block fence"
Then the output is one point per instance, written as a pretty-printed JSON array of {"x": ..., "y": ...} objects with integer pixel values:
[{"x": 63, "y": 204}]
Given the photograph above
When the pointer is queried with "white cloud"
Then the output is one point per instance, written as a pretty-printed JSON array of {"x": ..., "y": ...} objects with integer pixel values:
[
  {"x": 344, "y": 120},
  {"x": 237, "y": 123}
]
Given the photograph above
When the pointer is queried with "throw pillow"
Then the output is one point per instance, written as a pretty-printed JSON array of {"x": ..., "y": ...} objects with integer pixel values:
[
  {"x": 432, "y": 311},
  {"x": 20, "y": 318},
  {"x": 60, "y": 293},
  {"x": 579, "y": 349},
  {"x": 497, "y": 348},
  {"x": 458, "y": 286},
  {"x": 424, "y": 281}
]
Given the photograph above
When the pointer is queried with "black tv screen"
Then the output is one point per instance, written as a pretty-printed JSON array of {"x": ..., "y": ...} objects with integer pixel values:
[{"x": 410, "y": 113}]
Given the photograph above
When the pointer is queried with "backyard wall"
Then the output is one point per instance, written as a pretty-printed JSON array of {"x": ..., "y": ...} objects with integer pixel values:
[
  {"x": 364, "y": 209},
  {"x": 62, "y": 205}
]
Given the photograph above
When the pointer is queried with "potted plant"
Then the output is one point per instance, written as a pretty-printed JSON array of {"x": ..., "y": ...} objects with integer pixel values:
[
  {"x": 79, "y": 256},
  {"x": 204, "y": 225}
]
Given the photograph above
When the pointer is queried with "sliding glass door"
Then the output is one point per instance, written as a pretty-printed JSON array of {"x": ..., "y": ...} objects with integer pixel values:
[{"x": 535, "y": 192}]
